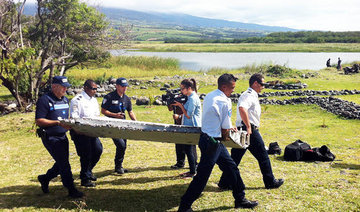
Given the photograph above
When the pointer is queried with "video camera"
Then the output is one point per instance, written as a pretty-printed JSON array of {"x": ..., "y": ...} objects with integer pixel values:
[{"x": 173, "y": 95}]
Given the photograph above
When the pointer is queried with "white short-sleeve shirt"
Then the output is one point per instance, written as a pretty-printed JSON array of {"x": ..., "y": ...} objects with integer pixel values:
[
  {"x": 216, "y": 113},
  {"x": 249, "y": 100},
  {"x": 82, "y": 106}
]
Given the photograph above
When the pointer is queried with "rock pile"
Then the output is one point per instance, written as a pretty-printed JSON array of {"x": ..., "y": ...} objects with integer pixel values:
[
  {"x": 310, "y": 93},
  {"x": 337, "y": 106},
  {"x": 7, "y": 107},
  {"x": 280, "y": 85}
]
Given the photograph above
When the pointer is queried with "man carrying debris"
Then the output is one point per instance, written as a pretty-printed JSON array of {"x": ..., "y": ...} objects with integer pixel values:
[
  {"x": 114, "y": 105},
  {"x": 88, "y": 148},
  {"x": 50, "y": 108},
  {"x": 248, "y": 118},
  {"x": 215, "y": 125}
]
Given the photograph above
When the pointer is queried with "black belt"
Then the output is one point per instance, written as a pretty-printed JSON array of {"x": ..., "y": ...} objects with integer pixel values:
[
  {"x": 204, "y": 134},
  {"x": 253, "y": 127}
]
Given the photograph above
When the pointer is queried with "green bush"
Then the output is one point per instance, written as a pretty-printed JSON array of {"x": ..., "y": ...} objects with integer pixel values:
[
  {"x": 75, "y": 82},
  {"x": 280, "y": 71}
]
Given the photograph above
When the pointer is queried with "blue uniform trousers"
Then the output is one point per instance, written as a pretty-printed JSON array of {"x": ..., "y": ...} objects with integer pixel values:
[
  {"x": 58, "y": 147},
  {"x": 258, "y": 150},
  {"x": 210, "y": 154},
  {"x": 89, "y": 149},
  {"x": 120, "y": 151}
]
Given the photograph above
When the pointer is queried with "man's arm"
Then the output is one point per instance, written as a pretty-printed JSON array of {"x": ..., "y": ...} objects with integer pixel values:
[
  {"x": 110, "y": 114},
  {"x": 245, "y": 118},
  {"x": 42, "y": 122},
  {"x": 132, "y": 115}
]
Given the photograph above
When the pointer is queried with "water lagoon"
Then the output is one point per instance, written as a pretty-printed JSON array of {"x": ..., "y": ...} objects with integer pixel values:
[{"x": 231, "y": 60}]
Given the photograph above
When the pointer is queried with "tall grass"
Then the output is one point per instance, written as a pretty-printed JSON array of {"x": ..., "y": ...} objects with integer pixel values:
[{"x": 130, "y": 67}]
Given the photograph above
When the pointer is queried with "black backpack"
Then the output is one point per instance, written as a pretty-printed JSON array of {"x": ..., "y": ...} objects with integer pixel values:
[
  {"x": 296, "y": 151},
  {"x": 320, "y": 154},
  {"x": 274, "y": 148}
]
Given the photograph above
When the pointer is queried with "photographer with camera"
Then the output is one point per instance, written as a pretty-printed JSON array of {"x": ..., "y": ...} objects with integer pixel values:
[{"x": 191, "y": 117}]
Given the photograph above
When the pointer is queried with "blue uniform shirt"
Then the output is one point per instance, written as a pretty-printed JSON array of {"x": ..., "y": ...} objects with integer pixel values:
[
  {"x": 193, "y": 109},
  {"x": 52, "y": 108},
  {"x": 115, "y": 104},
  {"x": 216, "y": 113}
]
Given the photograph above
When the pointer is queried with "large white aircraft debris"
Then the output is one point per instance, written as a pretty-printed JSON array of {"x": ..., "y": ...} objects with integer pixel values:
[{"x": 148, "y": 131}]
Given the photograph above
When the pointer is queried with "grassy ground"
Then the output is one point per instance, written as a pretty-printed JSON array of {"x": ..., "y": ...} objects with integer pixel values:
[
  {"x": 152, "y": 186},
  {"x": 249, "y": 47}
]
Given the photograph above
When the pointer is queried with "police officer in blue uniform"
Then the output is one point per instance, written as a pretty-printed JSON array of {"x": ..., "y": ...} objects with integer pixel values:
[
  {"x": 215, "y": 126},
  {"x": 248, "y": 118},
  {"x": 88, "y": 148},
  {"x": 114, "y": 105},
  {"x": 50, "y": 108}
]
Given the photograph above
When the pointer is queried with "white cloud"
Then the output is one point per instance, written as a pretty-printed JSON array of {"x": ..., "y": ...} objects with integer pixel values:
[{"x": 331, "y": 15}]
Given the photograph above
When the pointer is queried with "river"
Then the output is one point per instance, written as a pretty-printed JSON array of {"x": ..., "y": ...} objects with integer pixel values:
[{"x": 231, "y": 60}]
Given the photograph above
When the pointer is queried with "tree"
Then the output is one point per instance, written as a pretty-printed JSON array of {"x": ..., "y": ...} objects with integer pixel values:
[{"x": 63, "y": 34}]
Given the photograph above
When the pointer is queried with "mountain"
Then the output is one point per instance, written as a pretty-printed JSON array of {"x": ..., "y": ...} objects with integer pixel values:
[
  {"x": 155, "y": 26},
  {"x": 185, "y": 20}
]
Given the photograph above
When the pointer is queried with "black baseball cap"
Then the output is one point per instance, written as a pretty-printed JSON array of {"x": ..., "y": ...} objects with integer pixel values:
[
  {"x": 61, "y": 80},
  {"x": 122, "y": 82}
]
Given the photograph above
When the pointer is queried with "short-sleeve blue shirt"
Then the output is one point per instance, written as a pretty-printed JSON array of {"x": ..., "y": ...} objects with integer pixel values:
[
  {"x": 50, "y": 107},
  {"x": 115, "y": 104},
  {"x": 193, "y": 109}
]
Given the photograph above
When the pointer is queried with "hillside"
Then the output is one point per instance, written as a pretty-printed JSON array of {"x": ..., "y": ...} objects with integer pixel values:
[{"x": 163, "y": 26}]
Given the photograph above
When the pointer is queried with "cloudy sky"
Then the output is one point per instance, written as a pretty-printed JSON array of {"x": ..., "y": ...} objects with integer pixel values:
[{"x": 333, "y": 15}]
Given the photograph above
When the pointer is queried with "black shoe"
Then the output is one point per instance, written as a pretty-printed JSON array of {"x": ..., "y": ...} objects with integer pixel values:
[
  {"x": 87, "y": 183},
  {"x": 177, "y": 166},
  {"x": 93, "y": 178},
  {"x": 121, "y": 170},
  {"x": 276, "y": 184},
  {"x": 44, "y": 183},
  {"x": 245, "y": 203},
  {"x": 74, "y": 193}
]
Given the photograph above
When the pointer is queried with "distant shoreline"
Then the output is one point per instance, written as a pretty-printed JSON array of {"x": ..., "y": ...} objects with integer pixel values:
[{"x": 245, "y": 47}]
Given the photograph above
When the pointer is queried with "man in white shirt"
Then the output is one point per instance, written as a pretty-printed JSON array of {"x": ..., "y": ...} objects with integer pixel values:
[
  {"x": 88, "y": 148},
  {"x": 248, "y": 118},
  {"x": 215, "y": 126}
]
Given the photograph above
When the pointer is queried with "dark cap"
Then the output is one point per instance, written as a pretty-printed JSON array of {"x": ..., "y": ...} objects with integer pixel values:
[
  {"x": 61, "y": 80},
  {"x": 122, "y": 82}
]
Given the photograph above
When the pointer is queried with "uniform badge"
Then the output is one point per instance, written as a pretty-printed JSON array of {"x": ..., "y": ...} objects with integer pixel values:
[
  {"x": 115, "y": 102},
  {"x": 104, "y": 101}
]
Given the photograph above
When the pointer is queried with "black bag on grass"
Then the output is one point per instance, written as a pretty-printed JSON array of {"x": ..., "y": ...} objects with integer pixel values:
[
  {"x": 296, "y": 151},
  {"x": 319, "y": 154}
]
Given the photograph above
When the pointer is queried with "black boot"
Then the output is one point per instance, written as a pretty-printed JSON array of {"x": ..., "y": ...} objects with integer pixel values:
[
  {"x": 74, "y": 193},
  {"x": 276, "y": 184},
  {"x": 44, "y": 183},
  {"x": 87, "y": 183},
  {"x": 245, "y": 203}
]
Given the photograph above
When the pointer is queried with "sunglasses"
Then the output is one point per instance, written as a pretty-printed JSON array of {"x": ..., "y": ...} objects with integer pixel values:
[
  {"x": 262, "y": 83},
  {"x": 94, "y": 89}
]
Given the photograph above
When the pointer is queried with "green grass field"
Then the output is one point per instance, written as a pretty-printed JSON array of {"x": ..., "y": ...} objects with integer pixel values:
[{"x": 152, "y": 186}]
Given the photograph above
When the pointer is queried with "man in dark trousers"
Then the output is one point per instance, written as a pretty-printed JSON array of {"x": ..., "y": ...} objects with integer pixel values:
[
  {"x": 339, "y": 64},
  {"x": 248, "y": 118},
  {"x": 216, "y": 124},
  {"x": 114, "y": 105},
  {"x": 50, "y": 108},
  {"x": 88, "y": 148}
]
